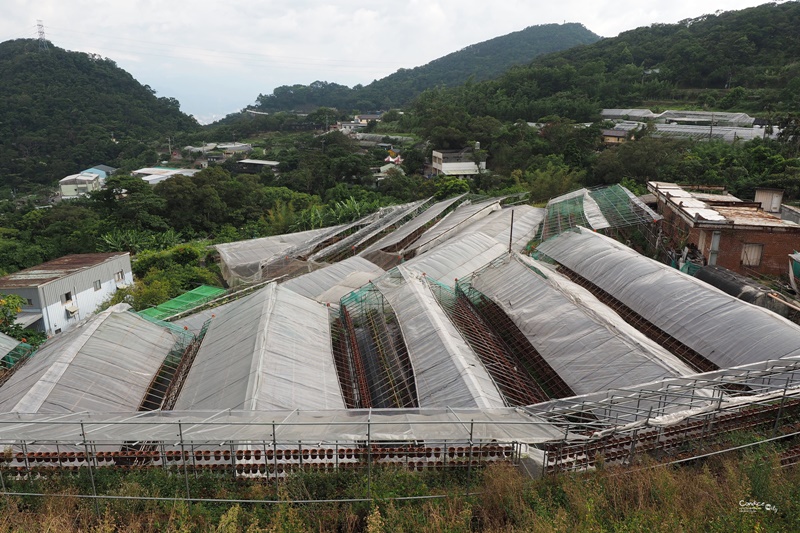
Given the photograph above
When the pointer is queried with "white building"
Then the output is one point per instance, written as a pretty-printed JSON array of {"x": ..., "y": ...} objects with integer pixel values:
[
  {"x": 456, "y": 163},
  {"x": 78, "y": 185},
  {"x": 62, "y": 292},
  {"x": 154, "y": 175}
]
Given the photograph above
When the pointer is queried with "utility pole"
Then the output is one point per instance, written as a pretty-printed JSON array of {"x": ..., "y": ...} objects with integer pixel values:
[{"x": 42, "y": 39}]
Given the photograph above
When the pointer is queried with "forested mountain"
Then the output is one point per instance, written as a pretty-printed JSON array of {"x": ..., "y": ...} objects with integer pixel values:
[
  {"x": 62, "y": 111},
  {"x": 479, "y": 61},
  {"x": 747, "y": 60}
]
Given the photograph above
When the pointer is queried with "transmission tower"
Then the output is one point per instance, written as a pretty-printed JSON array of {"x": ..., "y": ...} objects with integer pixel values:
[{"x": 42, "y": 38}]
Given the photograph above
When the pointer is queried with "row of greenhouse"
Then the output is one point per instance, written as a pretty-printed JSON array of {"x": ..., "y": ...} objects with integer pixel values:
[{"x": 423, "y": 307}]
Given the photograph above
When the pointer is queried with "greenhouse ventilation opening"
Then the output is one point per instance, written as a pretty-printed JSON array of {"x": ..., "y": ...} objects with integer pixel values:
[{"x": 599, "y": 208}]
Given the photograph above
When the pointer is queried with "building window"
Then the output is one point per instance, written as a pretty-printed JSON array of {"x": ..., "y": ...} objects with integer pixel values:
[
  {"x": 66, "y": 298},
  {"x": 28, "y": 302},
  {"x": 97, "y": 285},
  {"x": 751, "y": 254},
  {"x": 119, "y": 276}
]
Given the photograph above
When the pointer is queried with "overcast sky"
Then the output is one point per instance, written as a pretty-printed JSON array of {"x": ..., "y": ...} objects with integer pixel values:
[{"x": 216, "y": 57}]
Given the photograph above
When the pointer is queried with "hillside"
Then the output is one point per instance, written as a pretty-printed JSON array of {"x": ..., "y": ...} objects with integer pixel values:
[
  {"x": 62, "y": 111},
  {"x": 479, "y": 61},
  {"x": 746, "y": 60}
]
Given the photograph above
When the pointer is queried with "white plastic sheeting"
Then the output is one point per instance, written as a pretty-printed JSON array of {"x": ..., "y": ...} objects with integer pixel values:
[
  {"x": 409, "y": 228},
  {"x": 457, "y": 258},
  {"x": 342, "y": 426},
  {"x": 7, "y": 344},
  {"x": 269, "y": 350},
  {"x": 104, "y": 364},
  {"x": 446, "y": 370},
  {"x": 331, "y": 283},
  {"x": 466, "y": 213},
  {"x": 385, "y": 218},
  {"x": 725, "y": 330},
  {"x": 585, "y": 342},
  {"x": 241, "y": 261},
  {"x": 591, "y": 210}
]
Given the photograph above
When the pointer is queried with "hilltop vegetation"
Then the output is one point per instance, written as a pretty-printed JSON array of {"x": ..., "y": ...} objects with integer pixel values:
[
  {"x": 62, "y": 112},
  {"x": 479, "y": 61},
  {"x": 746, "y": 60}
]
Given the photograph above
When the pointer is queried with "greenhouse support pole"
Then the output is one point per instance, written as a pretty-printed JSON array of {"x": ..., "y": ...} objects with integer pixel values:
[
  {"x": 471, "y": 431},
  {"x": 780, "y": 409},
  {"x": 91, "y": 472},
  {"x": 369, "y": 455},
  {"x": 185, "y": 468},
  {"x": 275, "y": 456},
  {"x": 511, "y": 232}
]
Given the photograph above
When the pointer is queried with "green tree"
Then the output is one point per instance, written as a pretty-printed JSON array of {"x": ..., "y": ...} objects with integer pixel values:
[{"x": 10, "y": 307}]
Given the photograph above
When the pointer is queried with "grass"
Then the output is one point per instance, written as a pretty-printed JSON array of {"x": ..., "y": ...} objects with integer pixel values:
[{"x": 705, "y": 496}]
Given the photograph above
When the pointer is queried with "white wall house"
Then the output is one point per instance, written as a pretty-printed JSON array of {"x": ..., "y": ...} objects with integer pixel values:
[
  {"x": 78, "y": 185},
  {"x": 460, "y": 163},
  {"x": 62, "y": 292}
]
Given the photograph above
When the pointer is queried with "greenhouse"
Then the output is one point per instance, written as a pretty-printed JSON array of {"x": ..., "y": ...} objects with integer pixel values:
[
  {"x": 466, "y": 213},
  {"x": 268, "y": 350},
  {"x": 583, "y": 341},
  {"x": 598, "y": 208},
  {"x": 408, "y": 232},
  {"x": 447, "y": 372},
  {"x": 714, "y": 330},
  {"x": 241, "y": 261},
  {"x": 329, "y": 284},
  {"x": 106, "y": 364},
  {"x": 457, "y": 257}
]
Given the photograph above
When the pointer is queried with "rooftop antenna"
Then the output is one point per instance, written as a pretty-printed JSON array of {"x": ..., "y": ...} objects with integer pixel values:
[{"x": 42, "y": 38}]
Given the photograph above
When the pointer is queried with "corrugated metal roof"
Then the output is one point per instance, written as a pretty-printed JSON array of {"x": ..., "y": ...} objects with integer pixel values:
[{"x": 56, "y": 269}]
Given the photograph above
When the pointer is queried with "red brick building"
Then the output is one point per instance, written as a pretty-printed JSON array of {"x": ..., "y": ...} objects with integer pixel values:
[{"x": 737, "y": 235}]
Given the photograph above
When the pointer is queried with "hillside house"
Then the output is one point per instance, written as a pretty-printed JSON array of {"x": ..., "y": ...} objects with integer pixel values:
[
  {"x": 737, "y": 235},
  {"x": 458, "y": 163},
  {"x": 364, "y": 119},
  {"x": 78, "y": 185},
  {"x": 613, "y": 137},
  {"x": 350, "y": 127},
  {"x": 255, "y": 166},
  {"x": 60, "y": 293}
]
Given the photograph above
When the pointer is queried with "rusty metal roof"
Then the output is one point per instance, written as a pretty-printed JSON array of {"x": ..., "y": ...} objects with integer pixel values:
[
  {"x": 751, "y": 216},
  {"x": 56, "y": 269}
]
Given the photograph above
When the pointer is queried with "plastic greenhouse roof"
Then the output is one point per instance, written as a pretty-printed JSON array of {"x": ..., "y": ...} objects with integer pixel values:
[
  {"x": 269, "y": 350},
  {"x": 408, "y": 229},
  {"x": 215, "y": 427},
  {"x": 104, "y": 364},
  {"x": 585, "y": 342},
  {"x": 447, "y": 372},
  {"x": 498, "y": 225},
  {"x": 457, "y": 258},
  {"x": 243, "y": 259},
  {"x": 465, "y": 213},
  {"x": 386, "y": 217},
  {"x": 725, "y": 330},
  {"x": 7, "y": 344},
  {"x": 329, "y": 284}
]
